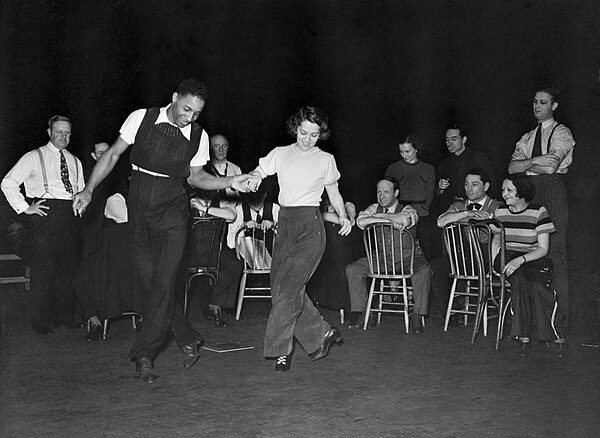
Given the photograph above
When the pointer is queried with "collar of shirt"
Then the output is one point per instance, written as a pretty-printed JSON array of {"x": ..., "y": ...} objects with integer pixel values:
[
  {"x": 163, "y": 118},
  {"x": 53, "y": 148},
  {"x": 547, "y": 123},
  {"x": 392, "y": 208},
  {"x": 481, "y": 201}
]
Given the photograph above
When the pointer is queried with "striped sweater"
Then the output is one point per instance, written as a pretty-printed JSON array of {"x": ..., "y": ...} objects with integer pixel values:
[{"x": 522, "y": 228}]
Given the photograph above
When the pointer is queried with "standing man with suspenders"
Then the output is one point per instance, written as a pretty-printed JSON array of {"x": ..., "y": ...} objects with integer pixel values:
[
  {"x": 546, "y": 154},
  {"x": 169, "y": 150},
  {"x": 51, "y": 175}
]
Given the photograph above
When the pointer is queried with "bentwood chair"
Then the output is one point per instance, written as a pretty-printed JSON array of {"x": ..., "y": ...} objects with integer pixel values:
[
  {"x": 207, "y": 235},
  {"x": 254, "y": 247},
  {"x": 496, "y": 290},
  {"x": 390, "y": 254}
]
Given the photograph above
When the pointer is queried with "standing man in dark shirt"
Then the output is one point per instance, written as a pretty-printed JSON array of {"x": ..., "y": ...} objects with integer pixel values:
[
  {"x": 452, "y": 170},
  {"x": 169, "y": 150},
  {"x": 545, "y": 154}
]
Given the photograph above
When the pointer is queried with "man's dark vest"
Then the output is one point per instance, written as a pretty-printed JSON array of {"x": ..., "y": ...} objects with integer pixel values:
[{"x": 163, "y": 148}]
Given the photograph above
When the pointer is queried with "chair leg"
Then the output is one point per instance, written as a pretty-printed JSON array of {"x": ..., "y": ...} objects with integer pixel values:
[
  {"x": 242, "y": 288},
  {"x": 133, "y": 324},
  {"x": 369, "y": 302},
  {"x": 104, "y": 329},
  {"x": 503, "y": 309},
  {"x": 450, "y": 302},
  {"x": 185, "y": 296},
  {"x": 406, "y": 309},
  {"x": 341, "y": 316}
]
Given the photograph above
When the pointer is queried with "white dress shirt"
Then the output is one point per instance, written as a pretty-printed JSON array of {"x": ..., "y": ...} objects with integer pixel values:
[{"x": 28, "y": 171}]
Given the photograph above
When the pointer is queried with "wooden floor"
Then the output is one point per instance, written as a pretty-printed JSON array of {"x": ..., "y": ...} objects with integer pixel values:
[{"x": 379, "y": 383}]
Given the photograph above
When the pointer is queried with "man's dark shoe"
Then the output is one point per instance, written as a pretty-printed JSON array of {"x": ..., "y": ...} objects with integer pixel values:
[
  {"x": 282, "y": 363},
  {"x": 190, "y": 353},
  {"x": 94, "y": 333},
  {"x": 145, "y": 369},
  {"x": 43, "y": 330},
  {"x": 67, "y": 324},
  {"x": 333, "y": 336},
  {"x": 417, "y": 325}
]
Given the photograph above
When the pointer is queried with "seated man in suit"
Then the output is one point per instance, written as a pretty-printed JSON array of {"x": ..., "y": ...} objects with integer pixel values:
[
  {"x": 478, "y": 205},
  {"x": 388, "y": 209}
]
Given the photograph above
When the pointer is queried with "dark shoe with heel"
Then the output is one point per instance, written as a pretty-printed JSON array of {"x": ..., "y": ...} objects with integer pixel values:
[
  {"x": 333, "y": 336},
  {"x": 190, "y": 352},
  {"x": 94, "y": 333},
  {"x": 525, "y": 349},
  {"x": 282, "y": 363},
  {"x": 145, "y": 369}
]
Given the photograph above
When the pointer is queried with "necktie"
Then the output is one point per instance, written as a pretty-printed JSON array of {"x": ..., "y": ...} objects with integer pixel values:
[
  {"x": 386, "y": 210},
  {"x": 64, "y": 173},
  {"x": 537, "y": 143},
  {"x": 258, "y": 218},
  {"x": 474, "y": 206}
]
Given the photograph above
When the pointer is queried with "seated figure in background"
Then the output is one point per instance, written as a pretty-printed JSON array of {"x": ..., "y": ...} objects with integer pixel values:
[
  {"x": 328, "y": 287},
  {"x": 478, "y": 205},
  {"x": 528, "y": 269},
  {"x": 103, "y": 282},
  {"x": 225, "y": 289},
  {"x": 388, "y": 209}
]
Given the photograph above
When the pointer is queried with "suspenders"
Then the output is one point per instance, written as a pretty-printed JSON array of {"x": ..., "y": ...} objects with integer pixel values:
[{"x": 45, "y": 176}]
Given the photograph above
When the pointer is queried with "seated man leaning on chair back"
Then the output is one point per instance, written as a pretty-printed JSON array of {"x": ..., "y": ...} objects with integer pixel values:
[
  {"x": 479, "y": 206},
  {"x": 230, "y": 268},
  {"x": 388, "y": 209}
]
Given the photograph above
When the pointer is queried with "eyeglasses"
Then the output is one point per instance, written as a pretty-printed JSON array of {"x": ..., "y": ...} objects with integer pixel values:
[{"x": 221, "y": 146}]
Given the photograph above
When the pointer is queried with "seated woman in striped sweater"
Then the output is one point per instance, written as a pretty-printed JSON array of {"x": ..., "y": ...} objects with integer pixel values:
[{"x": 528, "y": 269}]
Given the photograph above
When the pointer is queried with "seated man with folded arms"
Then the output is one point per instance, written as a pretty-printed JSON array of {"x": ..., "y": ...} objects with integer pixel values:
[
  {"x": 388, "y": 209},
  {"x": 224, "y": 292},
  {"x": 478, "y": 205}
]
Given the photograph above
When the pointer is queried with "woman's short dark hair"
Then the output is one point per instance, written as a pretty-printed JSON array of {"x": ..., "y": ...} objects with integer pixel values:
[
  {"x": 524, "y": 185},
  {"x": 311, "y": 114},
  {"x": 411, "y": 140}
]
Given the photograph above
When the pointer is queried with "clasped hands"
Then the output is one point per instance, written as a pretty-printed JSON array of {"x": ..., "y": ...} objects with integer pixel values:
[{"x": 246, "y": 183}]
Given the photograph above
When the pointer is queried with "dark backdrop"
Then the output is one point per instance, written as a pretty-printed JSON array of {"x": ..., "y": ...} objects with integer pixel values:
[{"x": 381, "y": 69}]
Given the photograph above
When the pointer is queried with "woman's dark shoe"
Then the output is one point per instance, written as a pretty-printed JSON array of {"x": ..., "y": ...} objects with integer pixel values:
[
  {"x": 145, "y": 369},
  {"x": 191, "y": 354},
  {"x": 217, "y": 318},
  {"x": 525, "y": 349},
  {"x": 94, "y": 333},
  {"x": 282, "y": 363},
  {"x": 333, "y": 336}
]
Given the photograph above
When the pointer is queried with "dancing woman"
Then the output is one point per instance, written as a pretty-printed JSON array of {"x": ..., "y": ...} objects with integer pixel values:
[{"x": 303, "y": 171}]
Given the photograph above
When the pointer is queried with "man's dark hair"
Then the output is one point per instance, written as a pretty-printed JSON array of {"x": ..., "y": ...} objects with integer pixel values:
[
  {"x": 311, "y": 114},
  {"x": 481, "y": 173},
  {"x": 551, "y": 90},
  {"x": 58, "y": 118},
  {"x": 193, "y": 87},
  {"x": 393, "y": 180},
  {"x": 524, "y": 185},
  {"x": 457, "y": 126}
]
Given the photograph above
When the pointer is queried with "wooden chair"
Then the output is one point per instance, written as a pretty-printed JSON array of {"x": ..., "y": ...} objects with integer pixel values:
[
  {"x": 15, "y": 279},
  {"x": 390, "y": 255},
  {"x": 207, "y": 235},
  {"x": 496, "y": 290},
  {"x": 255, "y": 248},
  {"x": 465, "y": 271}
]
